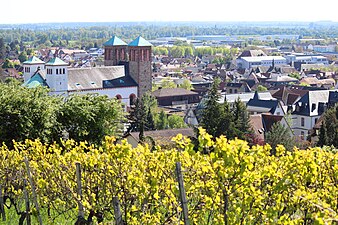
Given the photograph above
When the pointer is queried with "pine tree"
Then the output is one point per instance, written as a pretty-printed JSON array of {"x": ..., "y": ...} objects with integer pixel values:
[
  {"x": 212, "y": 114},
  {"x": 328, "y": 133},
  {"x": 162, "y": 122},
  {"x": 241, "y": 118},
  {"x": 279, "y": 134}
]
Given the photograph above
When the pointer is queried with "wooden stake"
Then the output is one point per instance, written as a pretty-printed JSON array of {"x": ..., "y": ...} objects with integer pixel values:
[
  {"x": 182, "y": 193},
  {"x": 25, "y": 193},
  {"x": 33, "y": 190},
  {"x": 79, "y": 190},
  {"x": 2, "y": 208},
  {"x": 117, "y": 211}
]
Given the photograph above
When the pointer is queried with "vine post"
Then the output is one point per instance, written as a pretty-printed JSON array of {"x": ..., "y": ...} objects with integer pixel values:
[
  {"x": 2, "y": 209},
  {"x": 183, "y": 196},
  {"x": 33, "y": 190}
]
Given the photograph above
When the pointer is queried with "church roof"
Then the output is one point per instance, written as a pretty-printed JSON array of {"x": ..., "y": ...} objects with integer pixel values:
[
  {"x": 140, "y": 41},
  {"x": 115, "y": 41},
  {"x": 93, "y": 78},
  {"x": 34, "y": 60},
  {"x": 36, "y": 80},
  {"x": 56, "y": 62}
]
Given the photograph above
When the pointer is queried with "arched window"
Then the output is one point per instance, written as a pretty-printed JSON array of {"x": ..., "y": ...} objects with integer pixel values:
[{"x": 132, "y": 99}]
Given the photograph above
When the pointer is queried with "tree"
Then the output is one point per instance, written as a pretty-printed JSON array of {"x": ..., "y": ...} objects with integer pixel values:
[
  {"x": 279, "y": 135},
  {"x": 186, "y": 84},
  {"x": 261, "y": 88},
  {"x": 23, "y": 56},
  {"x": 162, "y": 121},
  {"x": 168, "y": 83},
  {"x": 177, "y": 51},
  {"x": 176, "y": 121},
  {"x": 241, "y": 120},
  {"x": 27, "y": 113},
  {"x": 2, "y": 49},
  {"x": 91, "y": 117},
  {"x": 328, "y": 134},
  {"x": 212, "y": 112},
  {"x": 8, "y": 64}
]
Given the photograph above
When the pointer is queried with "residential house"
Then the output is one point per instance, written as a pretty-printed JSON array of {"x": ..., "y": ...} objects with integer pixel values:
[
  {"x": 234, "y": 88},
  {"x": 280, "y": 79},
  {"x": 262, "y": 123},
  {"x": 314, "y": 82},
  {"x": 257, "y": 106},
  {"x": 176, "y": 97},
  {"x": 307, "y": 111},
  {"x": 159, "y": 137}
]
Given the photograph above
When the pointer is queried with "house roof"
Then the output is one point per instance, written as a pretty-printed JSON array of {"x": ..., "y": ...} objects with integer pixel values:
[
  {"x": 94, "y": 78},
  {"x": 38, "y": 79},
  {"x": 168, "y": 92},
  {"x": 257, "y": 125},
  {"x": 34, "y": 60},
  {"x": 165, "y": 135},
  {"x": 115, "y": 41},
  {"x": 269, "y": 120},
  {"x": 245, "y": 97},
  {"x": 309, "y": 103},
  {"x": 140, "y": 41},
  {"x": 263, "y": 58},
  {"x": 252, "y": 53},
  {"x": 56, "y": 62},
  {"x": 278, "y": 78}
]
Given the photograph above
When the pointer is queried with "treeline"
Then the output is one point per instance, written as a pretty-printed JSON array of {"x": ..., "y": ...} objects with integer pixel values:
[{"x": 100, "y": 34}]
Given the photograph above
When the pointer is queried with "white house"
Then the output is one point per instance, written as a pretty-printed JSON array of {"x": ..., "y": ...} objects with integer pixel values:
[
  {"x": 250, "y": 62},
  {"x": 307, "y": 59},
  {"x": 308, "y": 110}
]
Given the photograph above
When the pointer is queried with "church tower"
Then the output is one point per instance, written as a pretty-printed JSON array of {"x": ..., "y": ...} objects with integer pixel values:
[
  {"x": 139, "y": 51},
  {"x": 115, "y": 51},
  {"x": 57, "y": 75},
  {"x": 31, "y": 66}
]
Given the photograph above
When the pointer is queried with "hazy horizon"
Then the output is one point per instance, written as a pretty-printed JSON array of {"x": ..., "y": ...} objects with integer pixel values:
[{"x": 64, "y": 11}]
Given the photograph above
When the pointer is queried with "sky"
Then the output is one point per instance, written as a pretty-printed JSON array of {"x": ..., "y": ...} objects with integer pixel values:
[{"x": 42, "y": 11}]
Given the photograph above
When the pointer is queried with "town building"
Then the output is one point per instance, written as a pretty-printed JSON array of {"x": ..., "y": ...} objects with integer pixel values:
[{"x": 251, "y": 62}]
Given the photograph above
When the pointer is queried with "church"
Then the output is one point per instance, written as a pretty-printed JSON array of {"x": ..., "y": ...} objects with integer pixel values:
[{"x": 126, "y": 73}]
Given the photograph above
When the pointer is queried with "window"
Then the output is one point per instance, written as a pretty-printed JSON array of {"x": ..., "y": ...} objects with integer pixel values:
[
  {"x": 57, "y": 71},
  {"x": 235, "y": 91},
  {"x": 63, "y": 71},
  {"x": 302, "y": 135},
  {"x": 302, "y": 121}
]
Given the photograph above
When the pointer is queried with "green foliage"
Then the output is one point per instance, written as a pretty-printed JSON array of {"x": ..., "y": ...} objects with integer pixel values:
[
  {"x": 27, "y": 113},
  {"x": 186, "y": 84},
  {"x": 328, "y": 134},
  {"x": 295, "y": 75},
  {"x": 176, "y": 121},
  {"x": 8, "y": 64},
  {"x": 34, "y": 114},
  {"x": 222, "y": 119},
  {"x": 241, "y": 120},
  {"x": 168, "y": 83},
  {"x": 261, "y": 88},
  {"x": 162, "y": 121},
  {"x": 23, "y": 56},
  {"x": 279, "y": 135},
  {"x": 90, "y": 117}
]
